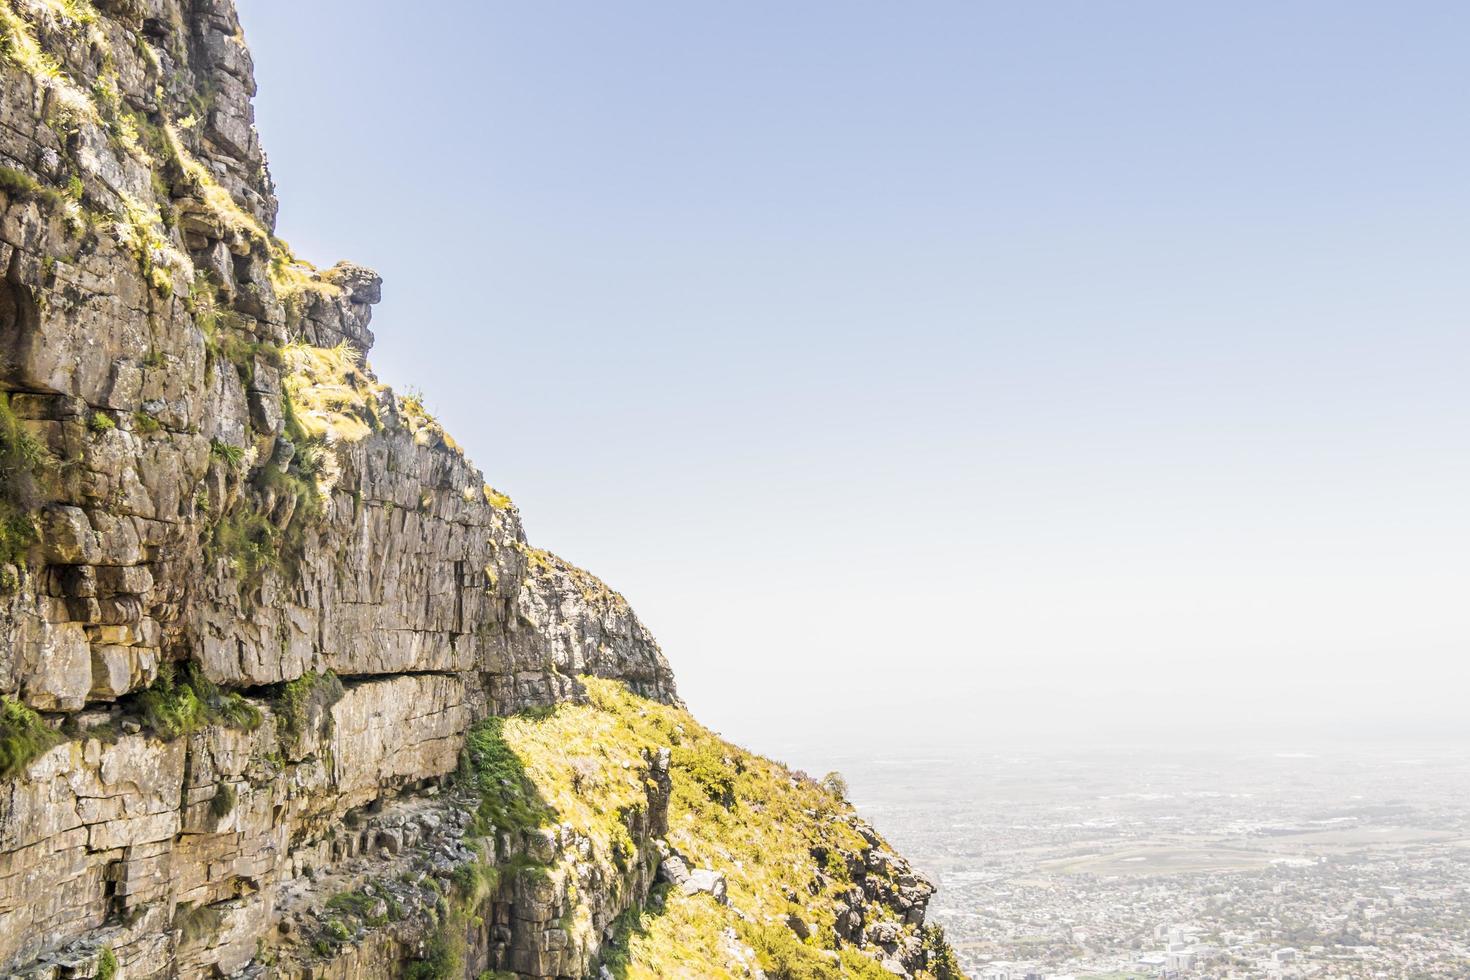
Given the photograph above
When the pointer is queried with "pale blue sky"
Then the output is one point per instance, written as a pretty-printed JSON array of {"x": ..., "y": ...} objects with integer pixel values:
[{"x": 1075, "y": 363}]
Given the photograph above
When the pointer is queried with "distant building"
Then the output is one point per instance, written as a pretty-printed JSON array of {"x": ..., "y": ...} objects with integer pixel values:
[
  {"x": 1010, "y": 971},
  {"x": 1180, "y": 959},
  {"x": 997, "y": 971}
]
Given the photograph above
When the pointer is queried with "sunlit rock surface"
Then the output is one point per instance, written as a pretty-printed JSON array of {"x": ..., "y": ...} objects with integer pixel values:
[{"x": 252, "y": 601}]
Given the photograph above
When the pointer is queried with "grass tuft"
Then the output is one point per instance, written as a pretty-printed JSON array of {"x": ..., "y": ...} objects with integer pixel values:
[
  {"x": 223, "y": 801},
  {"x": 335, "y": 399},
  {"x": 232, "y": 456},
  {"x": 497, "y": 499},
  {"x": 23, "y": 737},
  {"x": 23, "y": 463},
  {"x": 22, "y": 186},
  {"x": 174, "y": 706},
  {"x": 304, "y": 698}
]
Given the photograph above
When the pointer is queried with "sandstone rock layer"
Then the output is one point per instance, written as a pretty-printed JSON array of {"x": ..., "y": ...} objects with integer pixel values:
[{"x": 251, "y": 600}]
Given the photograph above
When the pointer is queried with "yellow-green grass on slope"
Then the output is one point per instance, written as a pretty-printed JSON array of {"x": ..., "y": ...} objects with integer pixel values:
[
  {"x": 730, "y": 810},
  {"x": 20, "y": 47},
  {"x": 334, "y": 399},
  {"x": 155, "y": 139},
  {"x": 426, "y": 429},
  {"x": 496, "y": 499}
]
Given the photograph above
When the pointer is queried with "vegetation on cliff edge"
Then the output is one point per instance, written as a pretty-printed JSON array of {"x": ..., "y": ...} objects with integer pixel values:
[
  {"x": 23, "y": 737},
  {"x": 22, "y": 461},
  {"x": 182, "y": 701},
  {"x": 776, "y": 835}
]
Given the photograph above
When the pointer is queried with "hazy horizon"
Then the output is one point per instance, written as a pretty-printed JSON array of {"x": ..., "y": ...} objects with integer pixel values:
[{"x": 955, "y": 372}]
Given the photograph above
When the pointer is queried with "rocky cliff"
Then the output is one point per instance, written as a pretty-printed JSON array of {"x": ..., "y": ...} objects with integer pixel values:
[{"x": 286, "y": 690}]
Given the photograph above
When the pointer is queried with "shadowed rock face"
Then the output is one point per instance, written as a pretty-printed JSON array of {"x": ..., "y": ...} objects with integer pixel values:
[{"x": 253, "y": 602}]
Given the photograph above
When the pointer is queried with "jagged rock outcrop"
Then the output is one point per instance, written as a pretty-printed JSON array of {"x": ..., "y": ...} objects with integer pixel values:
[
  {"x": 253, "y": 603},
  {"x": 154, "y": 334},
  {"x": 590, "y": 629}
]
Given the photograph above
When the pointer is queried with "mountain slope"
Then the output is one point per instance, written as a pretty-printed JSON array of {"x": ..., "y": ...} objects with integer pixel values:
[{"x": 286, "y": 689}]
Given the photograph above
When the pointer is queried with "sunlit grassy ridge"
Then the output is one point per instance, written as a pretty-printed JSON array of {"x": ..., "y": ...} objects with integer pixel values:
[
  {"x": 781, "y": 841},
  {"x": 333, "y": 398}
]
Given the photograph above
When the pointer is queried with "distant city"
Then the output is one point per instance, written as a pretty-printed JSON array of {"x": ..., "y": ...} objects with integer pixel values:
[{"x": 1255, "y": 865}]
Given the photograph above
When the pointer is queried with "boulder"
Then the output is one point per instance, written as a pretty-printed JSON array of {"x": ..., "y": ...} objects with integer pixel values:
[
  {"x": 712, "y": 883},
  {"x": 673, "y": 870}
]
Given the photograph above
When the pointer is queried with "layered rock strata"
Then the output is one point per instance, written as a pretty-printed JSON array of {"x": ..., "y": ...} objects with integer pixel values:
[{"x": 251, "y": 600}]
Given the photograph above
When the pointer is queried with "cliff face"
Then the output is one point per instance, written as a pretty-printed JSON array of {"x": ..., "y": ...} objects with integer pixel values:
[{"x": 259, "y": 616}]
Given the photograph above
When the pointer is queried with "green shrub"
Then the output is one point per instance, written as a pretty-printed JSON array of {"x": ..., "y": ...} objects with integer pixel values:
[
  {"x": 235, "y": 710},
  {"x": 146, "y": 423},
  {"x": 174, "y": 706},
  {"x": 411, "y": 404},
  {"x": 475, "y": 881},
  {"x": 836, "y": 867},
  {"x": 708, "y": 768},
  {"x": 248, "y": 541},
  {"x": 106, "y": 964},
  {"x": 17, "y": 183},
  {"x": 101, "y": 422},
  {"x": 620, "y": 842},
  {"x": 444, "y": 958},
  {"x": 855, "y": 964},
  {"x": 352, "y": 903},
  {"x": 940, "y": 956},
  {"x": 247, "y": 537},
  {"x": 23, "y": 737},
  {"x": 296, "y": 479},
  {"x": 360, "y": 906},
  {"x": 238, "y": 349},
  {"x": 171, "y": 709},
  {"x": 835, "y": 784},
  {"x": 17, "y": 534}
]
